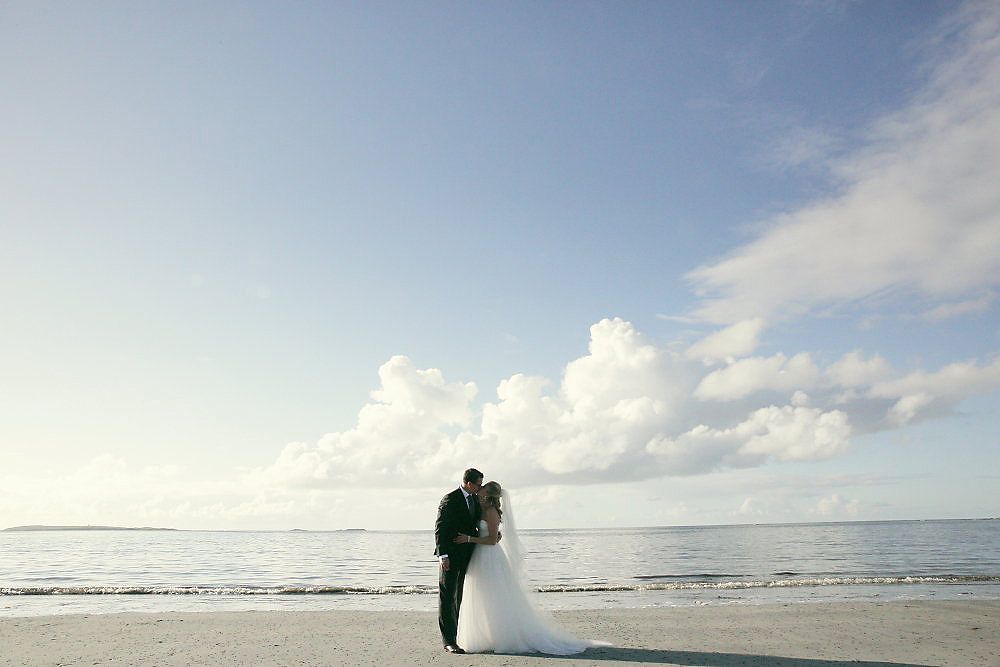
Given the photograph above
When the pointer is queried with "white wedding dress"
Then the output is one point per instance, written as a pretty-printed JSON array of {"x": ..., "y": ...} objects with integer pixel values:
[{"x": 497, "y": 614}]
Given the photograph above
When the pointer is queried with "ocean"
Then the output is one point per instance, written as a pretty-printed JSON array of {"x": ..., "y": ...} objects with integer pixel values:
[{"x": 93, "y": 572}]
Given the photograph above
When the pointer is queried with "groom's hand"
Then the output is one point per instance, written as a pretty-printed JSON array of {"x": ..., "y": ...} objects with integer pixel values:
[{"x": 445, "y": 564}]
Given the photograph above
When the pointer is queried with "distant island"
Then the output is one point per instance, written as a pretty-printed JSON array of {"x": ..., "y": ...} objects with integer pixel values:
[{"x": 40, "y": 528}]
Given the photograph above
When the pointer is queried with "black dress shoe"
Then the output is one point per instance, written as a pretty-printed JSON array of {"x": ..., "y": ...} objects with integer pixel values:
[{"x": 454, "y": 648}]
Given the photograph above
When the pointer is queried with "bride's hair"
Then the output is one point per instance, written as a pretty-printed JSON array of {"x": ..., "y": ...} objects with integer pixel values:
[{"x": 493, "y": 492}]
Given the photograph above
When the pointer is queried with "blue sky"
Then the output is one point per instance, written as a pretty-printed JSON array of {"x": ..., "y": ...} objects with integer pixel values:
[{"x": 222, "y": 228}]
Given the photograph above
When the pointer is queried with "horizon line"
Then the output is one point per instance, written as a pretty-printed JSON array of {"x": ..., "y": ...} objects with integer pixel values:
[{"x": 27, "y": 528}]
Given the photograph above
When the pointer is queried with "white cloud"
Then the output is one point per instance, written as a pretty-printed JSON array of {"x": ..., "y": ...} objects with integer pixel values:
[
  {"x": 798, "y": 433},
  {"x": 747, "y": 508},
  {"x": 947, "y": 311},
  {"x": 800, "y": 399},
  {"x": 956, "y": 380},
  {"x": 410, "y": 390},
  {"x": 747, "y": 376},
  {"x": 626, "y": 410},
  {"x": 162, "y": 471},
  {"x": 918, "y": 210},
  {"x": 620, "y": 365},
  {"x": 401, "y": 434},
  {"x": 835, "y": 505},
  {"x": 907, "y": 407},
  {"x": 736, "y": 340},
  {"x": 609, "y": 404},
  {"x": 853, "y": 370},
  {"x": 920, "y": 391},
  {"x": 613, "y": 417},
  {"x": 784, "y": 434}
]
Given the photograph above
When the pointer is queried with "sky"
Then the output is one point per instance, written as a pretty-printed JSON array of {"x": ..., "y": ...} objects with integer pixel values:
[{"x": 274, "y": 266}]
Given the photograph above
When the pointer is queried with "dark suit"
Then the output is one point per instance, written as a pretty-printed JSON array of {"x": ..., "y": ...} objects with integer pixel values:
[{"x": 453, "y": 518}]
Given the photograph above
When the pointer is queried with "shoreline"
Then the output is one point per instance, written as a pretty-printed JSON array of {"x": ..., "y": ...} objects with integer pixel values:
[
  {"x": 953, "y": 632},
  {"x": 14, "y": 605}
]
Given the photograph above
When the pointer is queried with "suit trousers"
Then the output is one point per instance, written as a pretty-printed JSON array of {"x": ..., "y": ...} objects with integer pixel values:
[{"x": 450, "y": 586}]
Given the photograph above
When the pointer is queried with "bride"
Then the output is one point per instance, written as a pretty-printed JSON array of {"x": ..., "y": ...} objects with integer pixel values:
[{"x": 497, "y": 614}]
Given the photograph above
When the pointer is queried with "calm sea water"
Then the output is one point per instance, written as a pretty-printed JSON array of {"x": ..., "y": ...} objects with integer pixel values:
[{"x": 110, "y": 571}]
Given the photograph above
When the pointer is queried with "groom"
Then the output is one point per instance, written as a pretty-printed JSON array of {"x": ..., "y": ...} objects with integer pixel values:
[{"x": 457, "y": 513}]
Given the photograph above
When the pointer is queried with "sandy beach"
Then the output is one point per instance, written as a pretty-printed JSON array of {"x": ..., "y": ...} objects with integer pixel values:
[{"x": 796, "y": 635}]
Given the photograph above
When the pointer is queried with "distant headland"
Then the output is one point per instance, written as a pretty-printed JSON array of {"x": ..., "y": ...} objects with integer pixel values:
[{"x": 39, "y": 528}]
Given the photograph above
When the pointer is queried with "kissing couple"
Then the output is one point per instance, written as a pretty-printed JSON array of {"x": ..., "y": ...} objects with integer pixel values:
[{"x": 487, "y": 567}]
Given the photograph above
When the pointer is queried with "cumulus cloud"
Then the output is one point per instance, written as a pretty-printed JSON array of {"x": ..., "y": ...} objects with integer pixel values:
[
  {"x": 593, "y": 426},
  {"x": 626, "y": 410},
  {"x": 610, "y": 403},
  {"x": 401, "y": 433},
  {"x": 784, "y": 434},
  {"x": 917, "y": 210}
]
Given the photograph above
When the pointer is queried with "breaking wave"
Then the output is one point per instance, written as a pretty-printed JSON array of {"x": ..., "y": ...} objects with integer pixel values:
[
  {"x": 560, "y": 588},
  {"x": 775, "y": 583}
]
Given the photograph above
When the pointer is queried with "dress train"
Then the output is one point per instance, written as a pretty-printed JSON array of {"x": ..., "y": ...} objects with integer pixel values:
[{"x": 497, "y": 614}]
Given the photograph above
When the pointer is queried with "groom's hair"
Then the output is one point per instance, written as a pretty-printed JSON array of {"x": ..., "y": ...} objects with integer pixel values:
[{"x": 472, "y": 475}]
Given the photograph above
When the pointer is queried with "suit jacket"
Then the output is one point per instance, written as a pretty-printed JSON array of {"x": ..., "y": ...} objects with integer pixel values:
[{"x": 453, "y": 517}]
